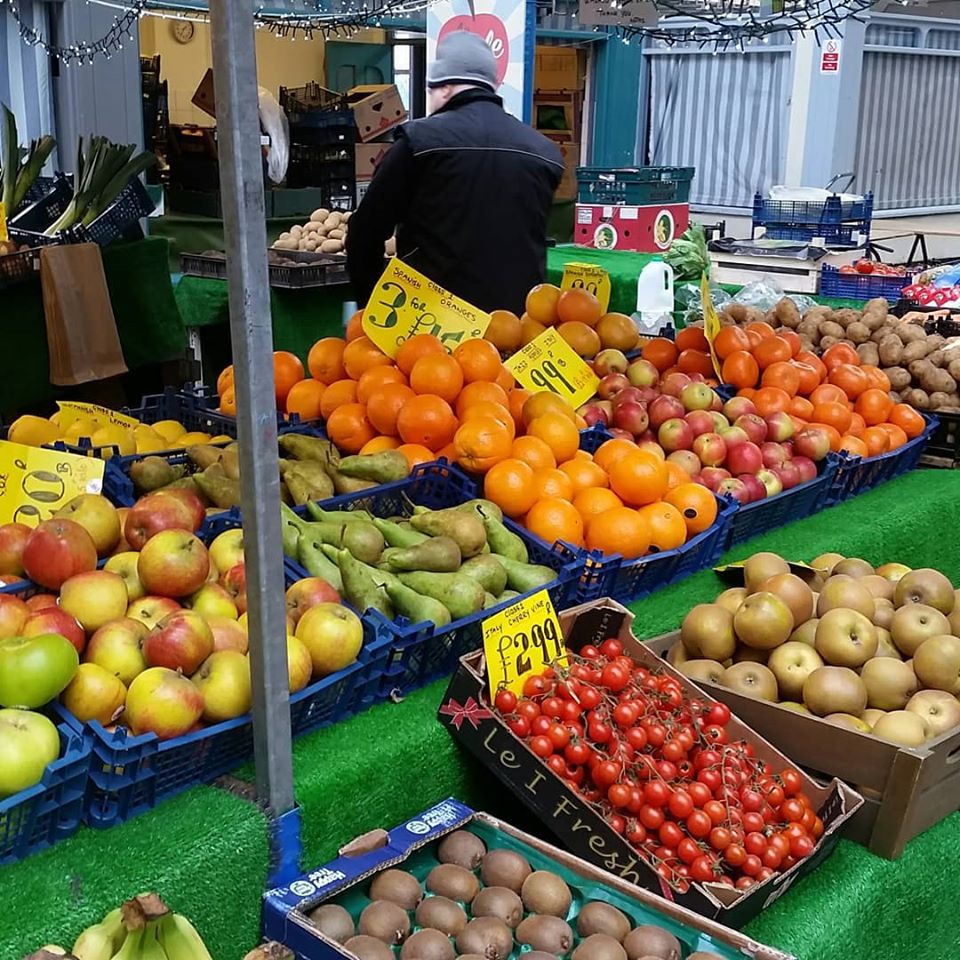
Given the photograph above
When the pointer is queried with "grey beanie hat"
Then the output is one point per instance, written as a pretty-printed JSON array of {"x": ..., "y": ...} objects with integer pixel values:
[{"x": 463, "y": 57}]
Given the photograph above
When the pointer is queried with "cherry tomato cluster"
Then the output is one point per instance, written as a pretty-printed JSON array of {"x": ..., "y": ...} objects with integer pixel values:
[
  {"x": 662, "y": 771},
  {"x": 873, "y": 267}
]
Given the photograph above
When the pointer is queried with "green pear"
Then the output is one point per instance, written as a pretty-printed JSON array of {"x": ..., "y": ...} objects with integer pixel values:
[
  {"x": 218, "y": 488},
  {"x": 508, "y": 595},
  {"x": 336, "y": 516},
  {"x": 309, "y": 448},
  {"x": 461, "y": 595},
  {"x": 416, "y": 607},
  {"x": 388, "y": 466},
  {"x": 152, "y": 473},
  {"x": 465, "y": 528},
  {"x": 488, "y": 571},
  {"x": 527, "y": 576},
  {"x": 363, "y": 540},
  {"x": 483, "y": 508},
  {"x": 291, "y": 539},
  {"x": 313, "y": 559},
  {"x": 361, "y": 586},
  {"x": 489, "y": 600},
  {"x": 437, "y": 554},
  {"x": 202, "y": 455},
  {"x": 502, "y": 541},
  {"x": 398, "y": 535}
]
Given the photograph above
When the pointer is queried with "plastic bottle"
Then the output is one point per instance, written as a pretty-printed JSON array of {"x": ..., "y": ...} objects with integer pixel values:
[{"x": 654, "y": 298}]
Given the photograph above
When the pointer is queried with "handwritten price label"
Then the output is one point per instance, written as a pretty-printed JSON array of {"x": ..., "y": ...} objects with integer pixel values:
[
  {"x": 550, "y": 363},
  {"x": 522, "y": 640},
  {"x": 711, "y": 322},
  {"x": 36, "y": 483},
  {"x": 405, "y": 303},
  {"x": 70, "y": 411},
  {"x": 589, "y": 277}
]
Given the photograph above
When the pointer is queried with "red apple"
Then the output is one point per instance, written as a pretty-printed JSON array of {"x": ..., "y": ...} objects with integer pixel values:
[
  {"x": 610, "y": 361},
  {"x": 773, "y": 454},
  {"x": 13, "y": 615},
  {"x": 617, "y": 432},
  {"x": 696, "y": 396},
  {"x": 732, "y": 487},
  {"x": 626, "y": 395},
  {"x": 779, "y": 426},
  {"x": 812, "y": 442},
  {"x": 788, "y": 473},
  {"x": 716, "y": 404},
  {"x": 673, "y": 383},
  {"x": 675, "y": 434},
  {"x": 40, "y": 601},
  {"x": 647, "y": 394},
  {"x": 688, "y": 461},
  {"x": 307, "y": 593},
  {"x": 191, "y": 500},
  {"x": 631, "y": 416},
  {"x": 151, "y": 610},
  {"x": 733, "y": 435},
  {"x": 738, "y": 407},
  {"x": 596, "y": 412},
  {"x": 754, "y": 487},
  {"x": 118, "y": 648},
  {"x": 173, "y": 563},
  {"x": 13, "y": 538},
  {"x": 611, "y": 385},
  {"x": 753, "y": 425},
  {"x": 744, "y": 458},
  {"x": 710, "y": 448},
  {"x": 95, "y": 598},
  {"x": 650, "y": 446},
  {"x": 771, "y": 482},
  {"x": 154, "y": 513},
  {"x": 180, "y": 641},
  {"x": 57, "y": 550},
  {"x": 700, "y": 422},
  {"x": 712, "y": 477},
  {"x": 806, "y": 468},
  {"x": 164, "y": 703},
  {"x": 642, "y": 373},
  {"x": 228, "y": 634},
  {"x": 55, "y": 620},
  {"x": 234, "y": 581},
  {"x": 664, "y": 408},
  {"x": 719, "y": 420}
]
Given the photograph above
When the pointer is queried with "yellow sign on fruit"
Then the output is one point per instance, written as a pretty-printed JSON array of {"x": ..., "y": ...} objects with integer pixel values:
[
  {"x": 550, "y": 363},
  {"x": 711, "y": 322},
  {"x": 520, "y": 641},
  {"x": 589, "y": 277},
  {"x": 405, "y": 303},
  {"x": 4, "y": 236},
  {"x": 35, "y": 483},
  {"x": 70, "y": 411}
]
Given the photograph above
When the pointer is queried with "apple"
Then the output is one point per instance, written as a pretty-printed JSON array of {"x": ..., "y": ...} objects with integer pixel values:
[
  {"x": 712, "y": 477},
  {"x": 118, "y": 648},
  {"x": 711, "y": 449},
  {"x": 806, "y": 468},
  {"x": 700, "y": 422},
  {"x": 675, "y": 434},
  {"x": 788, "y": 473},
  {"x": 151, "y": 610},
  {"x": 812, "y": 442},
  {"x": 610, "y": 361},
  {"x": 687, "y": 460},
  {"x": 610, "y": 385},
  {"x": 696, "y": 396},
  {"x": 596, "y": 412},
  {"x": 771, "y": 482},
  {"x": 224, "y": 681},
  {"x": 753, "y": 425},
  {"x": 33, "y": 670},
  {"x": 98, "y": 516},
  {"x": 662, "y": 409},
  {"x": 733, "y": 436},
  {"x": 618, "y": 432},
  {"x": 125, "y": 566},
  {"x": 173, "y": 563},
  {"x": 228, "y": 634},
  {"x": 191, "y": 500},
  {"x": 57, "y": 550},
  {"x": 94, "y": 598},
  {"x": 40, "y": 601},
  {"x": 647, "y": 394},
  {"x": 234, "y": 581},
  {"x": 333, "y": 635},
  {"x": 642, "y": 373},
  {"x": 162, "y": 702},
  {"x": 672, "y": 384},
  {"x": 719, "y": 420},
  {"x": 772, "y": 453},
  {"x": 631, "y": 416},
  {"x": 226, "y": 551},
  {"x": 122, "y": 545},
  {"x": 13, "y": 538},
  {"x": 213, "y": 600},
  {"x": 155, "y": 513},
  {"x": 94, "y": 694},
  {"x": 744, "y": 458},
  {"x": 757, "y": 490},
  {"x": 13, "y": 615},
  {"x": 779, "y": 426},
  {"x": 55, "y": 620},
  {"x": 737, "y": 407},
  {"x": 307, "y": 593},
  {"x": 631, "y": 394},
  {"x": 732, "y": 487},
  {"x": 29, "y": 742},
  {"x": 791, "y": 664},
  {"x": 937, "y": 708},
  {"x": 180, "y": 641},
  {"x": 299, "y": 663}
]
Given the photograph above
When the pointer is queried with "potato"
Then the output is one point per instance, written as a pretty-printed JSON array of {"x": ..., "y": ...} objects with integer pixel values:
[
  {"x": 333, "y": 220},
  {"x": 940, "y": 401},
  {"x": 313, "y": 226},
  {"x": 310, "y": 246},
  {"x": 736, "y": 311},
  {"x": 916, "y": 350},
  {"x": 753, "y": 315},
  {"x": 335, "y": 234},
  {"x": 954, "y": 368},
  {"x": 935, "y": 342},
  {"x": 810, "y": 328},
  {"x": 873, "y": 321},
  {"x": 939, "y": 381},
  {"x": 898, "y": 376},
  {"x": 920, "y": 369},
  {"x": 286, "y": 244},
  {"x": 296, "y": 232},
  {"x": 858, "y": 332},
  {"x": 320, "y": 214},
  {"x": 937, "y": 357},
  {"x": 877, "y": 304},
  {"x": 390, "y": 247},
  {"x": 845, "y": 317},
  {"x": 827, "y": 342},
  {"x": 818, "y": 312},
  {"x": 917, "y": 398},
  {"x": 869, "y": 353},
  {"x": 286, "y": 235},
  {"x": 887, "y": 330},
  {"x": 895, "y": 397},
  {"x": 891, "y": 349},
  {"x": 331, "y": 246},
  {"x": 807, "y": 345},
  {"x": 787, "y": 313},
  {"x": 830, "y": 328},
  {"x": 345, "y": 216},
  {"x": 911, "y": 333}
]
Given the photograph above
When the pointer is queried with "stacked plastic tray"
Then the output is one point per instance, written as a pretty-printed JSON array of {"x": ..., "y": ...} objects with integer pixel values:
[
  {"x": 634, "y": 185},
  {"x": 859, "y": 286},
  {"x": 835, "y": 222}
]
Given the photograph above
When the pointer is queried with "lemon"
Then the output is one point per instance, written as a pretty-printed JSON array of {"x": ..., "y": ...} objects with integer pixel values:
[
  {"x": 55, "y": 418},
  {"x": 170, "y": 430},
  {"x": 148, "y": 440},
  {"x": 221, "y": 438},
  {"x": 114, "y": 436},
  {"x": 81, "y": 427},
  {"x": 33, "y": 431},
  {"x": 189, "y": 439}
]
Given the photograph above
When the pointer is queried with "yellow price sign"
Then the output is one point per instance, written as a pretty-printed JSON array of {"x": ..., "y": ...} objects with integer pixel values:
[
  {"x": 405, "y": 303},
  {"x": 589, "y": 277},
  {"x": 4, "y": 236},
  {"x": 522, "y": 640},
  {"x": 71, "y": 411},
  {"x": 711, "y": 322},
  {"x": 35, "y": 483},
  {"x": 550, "y": 363}
]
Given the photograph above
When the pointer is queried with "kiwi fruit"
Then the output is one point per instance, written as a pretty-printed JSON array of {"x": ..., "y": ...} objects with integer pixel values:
[
  {"x": 385, "y": 921},
  {"x": 504, "y": 868},
  {"x": 440, "y": 913},
  {"x": 648, "y": 941},
  {"x": 368, "y": 948},
  {"x": 598, "y": 946},
  {"x": 498, "y": 902},
  {"x": 545, "y": 893},
  {"x": 549, "y": 934},
  {"x": 333, "y": 922},
  {"x": 398, "y": 887},
  {"x": 453, "y": 882},
  {"x": 599, "y": 917},
  {"x": 489, "y": 937},
  {"x": 462, "y": 848},
  {"x": 427, "y": 945}
]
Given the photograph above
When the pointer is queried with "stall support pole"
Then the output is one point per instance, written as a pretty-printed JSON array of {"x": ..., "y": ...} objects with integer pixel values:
[{"x": 251, "y": 334}]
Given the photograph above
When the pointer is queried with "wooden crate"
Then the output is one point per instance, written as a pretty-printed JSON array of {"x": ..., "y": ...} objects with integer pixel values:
[{"x": 905, "y": 790}]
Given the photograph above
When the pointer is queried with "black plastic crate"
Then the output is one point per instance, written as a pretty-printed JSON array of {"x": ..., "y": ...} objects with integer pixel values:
[
  {"x": 311, "y": 98},
  {"x": 321, "y": 270},
  {"x": 943, "y": 447},
  {"x": 46, "y": 209},
  {"x": 19, "y": 267},
  {"x": 133, "y": 204},
  {"x": 634, "y": 185}
]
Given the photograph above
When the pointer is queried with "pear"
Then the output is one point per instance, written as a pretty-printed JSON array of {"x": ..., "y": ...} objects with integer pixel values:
[
  {"x": 363, "y": 540},
  {"x": 219, "y": 489},
  {"x": 488, "y": 571},
  {"x": 461, "y": 595},
  {"x": 483, "y": 508},
  {"x": 336, "y": 516},
  {"x": 203, "y": 456},
  {"x": 489, "y": 600},
  {"x": 416, "y": 607},
  {"x": 343, "y": 484},
  {"x": 189, "y": 483},
  {"x": 398, "y": 535},
  {"x": 290, "y": 534},
  {"x": 313, "y": 559},
  {"x": 465, "y": 528},
  {"x": 504, "y": 542},
  {"x": 508, "y": 595},
  {"x": 388, "y": 466},
  {"x": 152, "y": 473},
  {"x": 437, "y": 554},
  {"x": 300, "y": 490},
  {"x": 526, "y": 576},
  {"x": 317, "y": 479},
  {"x": 361, "y": 586},
  {"x": 309, "y": 448},
  {"x": 231, "y": 463}
]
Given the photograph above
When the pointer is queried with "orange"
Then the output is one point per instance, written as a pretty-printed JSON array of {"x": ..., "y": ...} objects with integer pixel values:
[
  {"x": 692, "y": 338},
  {"x": 530, "y": 329},
  {"x": 832, "y": 433},
  {"x": 609, "y": 452},
  {"x": 907, "y": 419},
  {"x": 372, "y": 381},
  {"x": 808, "y": 377},
  {"x": 416, "y": 453},
  {"x": 761, "y": 328},
  {"x": 480, "y": 392},
  {"x": 875, "y": 406},
  {"x": 534, "y": 451},
  {"x": 287, "y": 370},
  {"x": 618, "y": 331},
  {"x": 551, "y": 482},
  {"x": 349, "y": 428},
  {"x": 578, "y": 306},
  {"x": 740, "y": 369},
  {"x": 836, "y": 414},
  {"x": 478, "y": 359},
  {"x": 378, "y": 444},
  {"x": 771, "y": 350},
  {"x": 695, "y": 361},
  {"x": 662, "y": 353},
  {"x": 553, "y": 520},
  {"x": 482, "y": 442},
  {"x": 505, "y": 379},
  {"x": 618, "y": 530},
  {"x": 510, "y": 485},
  {"x": 545, "y": 401},
  {"x": 448, "y": 453},
  {"x": 730, "y": 340},
  {"x": 665, "y": 526},
  {"x": 427, "y": 420},
  {"x": 770, "y": 400},
  {"x": 584, "y": 474},
  {"x": 877, "y": 440},
  {"x": 354, "y": 327},
  {"x": 850, "y": 379},
  {"x": 336, "y": 395},
  {"x": 854, "y": 445},
  {"x": 516, "y": 398},
  {"x": 898, "y": 436},
  {"x": 225, "y": 380},
  {"x": 793, "y": 338},
  {"x": 676, "y": 475},
  {"x": 541, "y": 304},
  {"x": 639, "y": 478},
  {"x": 505, "y": 331},
  {"x": 228, "y": 401},
  {"x": 827, "y": 392},
  {"x": 384, "y": 407},
  {"x": 558, "y": 432},
  {"x": 360, "y": 355},
  {"x": 421, "y": 345},
  {"x": 838, "y": 354},
  {"x": 325, "y": 360},
  {"x": 697, "y": 506},
  {"x": 800, "y": 407},
  {"x": 593, "y": 501},
  {"x": 583, "y": 339},
  {"x": 783, "y": 375},
  {"x": 484, "y": 408},
  {"x": 304, "y": 399},
  {"x": 438, "y": 374}
]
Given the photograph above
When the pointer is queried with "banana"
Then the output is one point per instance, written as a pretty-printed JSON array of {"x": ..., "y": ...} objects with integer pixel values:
[
  {"x": 102, "y": 940},
  {"x": 150, "y": 946},
  {"x": 131, "y": 946},
  {"x": 180, "y": 940}
]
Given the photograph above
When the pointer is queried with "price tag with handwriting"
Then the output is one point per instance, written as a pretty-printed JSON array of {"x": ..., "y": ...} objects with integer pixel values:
[
  {"x": 71, "y": 411},
  {"x": 550, "y": 363},
  {"x": 711, "y": 322},
  {"x": 589, "y": 277},
  {"x": 405, "y": 303},
  {"x": 520, "y": 641},
  {"x": 36, "y": 483}
]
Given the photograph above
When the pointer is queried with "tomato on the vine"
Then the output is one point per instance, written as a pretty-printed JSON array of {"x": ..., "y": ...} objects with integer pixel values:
[
  {"x": 651, "y": 817},
  {"x": 599, "y": 732},
  {"x": 577, "y": 753},
  {"x": 528, "y": 709},
  {"x": 614, "y": 677},
  {"x": 656, "y": 793},
  {"x": 688, "y": 850},
  {"x": 752, "y": 865},
  {"x": 735, "y": 855},
  {"x": 699, "y": 824},
  {"x": 536, "y": 686},
  {"x": 715, "y": 734},
  {"x": 801, "y": 847},
  {"x": 720, "y": 838},
  {"x": 792, "y": 781},
  {"x": 699, "y": 793},
  {"x": 520, "y": 726},
  {"x": 589, "y": 698},
  {"x": 611, "y": 648},
  {"x": 718, "y": 714},
  {"x": 670, "y": 834},
  {"x": 606, "y": 773},
  {"x": 557, "y": 764},
  {"x": 680, "y": 804},
  {"x": 792, "y": 810},
  {"x": 541, "y": 746},
  {"x": 636, "y": 737},
  {"x": 755, "y": 843},
  {"x": 552, "y": 707},
  {"x": 715, "y": 810},
  {"x": 702, "y": 869},
  {"x": 673, "y": 750},
  {"x": 505, "y": 701},
  {"x": 559, "y": 736}
]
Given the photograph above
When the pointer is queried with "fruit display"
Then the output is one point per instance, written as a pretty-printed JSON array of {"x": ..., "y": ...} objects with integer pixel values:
[
  {"x": 876, "y": 650},
  {"x": 29, "y": 742},
  {"x": 874, "y": 268}
]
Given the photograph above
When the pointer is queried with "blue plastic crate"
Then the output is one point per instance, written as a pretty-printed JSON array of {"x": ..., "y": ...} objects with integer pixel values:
[
  {"x": 859, "y": 286},
  {"x": 51, "y": 810},
  {"x": 634, "y": 185},
  {"x": 594, "y": 437},
  {"x": 856, "y": 475},
  {"x": 836, "y": 222}
]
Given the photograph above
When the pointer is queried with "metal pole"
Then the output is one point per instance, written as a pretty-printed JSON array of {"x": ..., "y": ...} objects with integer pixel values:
[{"x": 241, "y": 188}]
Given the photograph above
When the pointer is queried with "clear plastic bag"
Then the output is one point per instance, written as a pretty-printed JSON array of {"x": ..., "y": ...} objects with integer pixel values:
[
  {"x": 687, "y": 295},
  {"x": 276, "y": 126},
  {"x": 765, "y": 294}
]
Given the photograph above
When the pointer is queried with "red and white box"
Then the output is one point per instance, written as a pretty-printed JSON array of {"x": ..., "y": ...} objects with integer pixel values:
[{"x": 646, "y": 229}]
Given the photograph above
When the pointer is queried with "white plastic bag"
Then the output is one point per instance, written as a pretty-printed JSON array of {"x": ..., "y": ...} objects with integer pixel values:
[
  {"x": 274, "y": 122},
  {"x": 809, "y": 194}
]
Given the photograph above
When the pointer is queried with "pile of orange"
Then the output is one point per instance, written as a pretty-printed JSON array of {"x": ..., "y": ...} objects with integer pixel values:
[
  {"x": 295, "y": 393},
  {"x": 620, "y": 500},
  {"x": 689, "y": 353}
]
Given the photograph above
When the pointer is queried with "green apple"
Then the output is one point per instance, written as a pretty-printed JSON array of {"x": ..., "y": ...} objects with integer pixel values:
[
  {"x": 33, "y": 670},
  {"x": 224, "y": 681},
  {"x": 28, "y": 742}
]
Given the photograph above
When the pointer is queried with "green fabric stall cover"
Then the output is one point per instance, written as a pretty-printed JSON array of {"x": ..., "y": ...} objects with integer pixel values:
[{"x": 623, "y": 266}]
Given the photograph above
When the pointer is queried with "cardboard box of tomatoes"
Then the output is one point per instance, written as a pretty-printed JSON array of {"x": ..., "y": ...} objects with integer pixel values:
[{"x": 666, "y": 839}]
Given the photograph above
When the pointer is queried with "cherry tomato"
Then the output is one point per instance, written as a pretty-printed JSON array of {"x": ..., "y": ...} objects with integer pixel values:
[
  {"x": 707, "y": 758},
  {"x": 711, "y": 778},
  {"x": 808, "y": 819},
  {"x": 589, "y": 652},
  {"x": 589, "y": 698},
  {"x": 656, "y": 793},
  {"x": 559, "y": 736},
  {"x": 618, "y": 823},
  {"x": 670, "y": 834},
  {"x": 755, "y": 843},
  {"x": 614, "y": 677},
  {"x": 611, "y": 648},
  {"x": 699, "y": 793},
  {"x": 557, "y": 764},
  {"x": 699, "y": 824},
  {"x": 574, "y": 773},
  {"x": 719, "y": 714},
  {"x": 702, "y": 869},
  {"x": 571, "y": 711},
  {"x": 541, "y": 746},
  {"x": 673, "y": 751},
  {"x": 792, "y": 781},
  {"x": 735, "y": 855},
  {"x": 745, "y": 883},
  {"x": 771, "y": 858},
  {"x": 716, "y": 811},
  {"x": 752, "y": 865},
  {"x": 780, "y": 843},
  {"x": 817, "y": 830},
  {"x": 520, "y": 726},
  {"x": 792, "y": 811},
  {"x": 506, "y": 701},
  {"x": 715, "y": 734},
  {"x": 635, "y": 833},
  {"x": 801, "y": 847},
  {"x": 577, "y": 753},
  {"x": 528, "y": 709},
  {"x": 619, "y": 795},
  {"x": 774, "y": 794},
  {"x": 637, "y": 737},
  {"x": 625, "y": 715},
  {"x": 753, "y": 823},
  {"x": 667, "y": 770},
  {"x": 651, "y": 817},
  {"x": 656, "y": 733},
  {"x": 536, "y": 686},
  {"x": 606, "y": 773},
  {"x": 599, "y": 732},
  {"x": 751, "y": 801},
  {"x": 686, "y": 738},
  {"x": 720, "y": 838},
  {"x": 680, "y": 804},
  {"x": 688, "y": 849}
]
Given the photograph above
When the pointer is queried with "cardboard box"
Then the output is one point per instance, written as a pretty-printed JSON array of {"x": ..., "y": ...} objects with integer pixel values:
[
  {"x": 204, "y": 96},
  {"x": 368, "y": 156},
  {"x": 410, "y": 846},
  {"x": 906, "y": 790},
  {"x": 377, "y": 108},
  {"x": 576, "y": 823},
  {"x": 557, "y": 68},
  {"x": 571, "y": 160},
  {"x": 645, "y": 229}
]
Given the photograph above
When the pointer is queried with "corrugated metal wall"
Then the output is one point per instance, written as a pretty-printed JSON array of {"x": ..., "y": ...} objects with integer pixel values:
[{"x": 25, "y": 83}]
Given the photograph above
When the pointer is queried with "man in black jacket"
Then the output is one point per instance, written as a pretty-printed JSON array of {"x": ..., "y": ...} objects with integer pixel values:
[{"x": 468, "y": 190}]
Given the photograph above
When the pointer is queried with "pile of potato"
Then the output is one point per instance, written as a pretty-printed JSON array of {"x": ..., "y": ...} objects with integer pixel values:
[{"x": 325, "y": 232}]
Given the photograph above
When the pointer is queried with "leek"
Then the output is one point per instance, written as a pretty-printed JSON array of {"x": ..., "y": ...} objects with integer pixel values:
[{"x": 21, "y": 168}]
